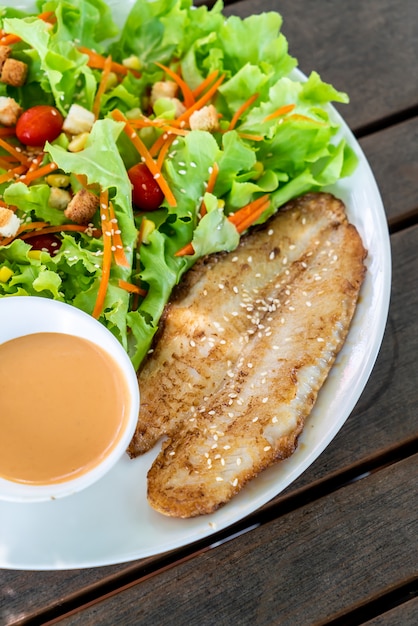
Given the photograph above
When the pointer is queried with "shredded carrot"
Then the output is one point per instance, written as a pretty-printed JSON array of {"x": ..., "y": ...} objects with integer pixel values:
[
  {"x": 210, "y": 186},
  {"x": 39, "y": 172},
  {"x": 79, "y": 228},
  {"x": 244, "y": 106},
  {"x": 251, "y": 219},
  {"x": 205, "y": 83},
  {"x": 36, "y": 162},
  {"x": 247, "y": 210},
  {"x": 6, "y": 163},
  {"x": 158, "y": 144},
  {"x": 242, "y": 219},
  {"x": 188, "y": 96},
  {"x": 159, "y": 123},
  {"x": 164, "y": 150},
  {"x": 22, "y": 229},
  {"x": 146, "y": 157},
  {"x": 212, "y": 178},
  {"x": 107, "y": 67},
  {"x": 47, "y": 16},
  {"x": 43, "y": 228},
  {"x": 117, "y": 244},
  {"x": 287, "y": 108},
  {"x": 146, "y": 122},
  {"x": 31, "y": 226},
  {"x": 123, "y": 284},
  {"x": 9, "y": 40},
  {"x": 16, "y": 152},
  {"x": 97, "y": 61},
  {"x": 305, "y": 118},
  {"x": 184, "y": 117},
  {"x": 16, "y": 171},
  {"x": 186, "y": 250},
  {"x": 251, "y": 137},
  {"x": 107, "y": 254}
]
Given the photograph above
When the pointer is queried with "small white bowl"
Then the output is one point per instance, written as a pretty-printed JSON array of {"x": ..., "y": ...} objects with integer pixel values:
[{"x": 25, "y": 315}]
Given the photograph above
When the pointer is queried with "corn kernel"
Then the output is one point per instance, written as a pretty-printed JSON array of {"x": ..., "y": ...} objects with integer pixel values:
[
  {"x": 58, "y": 180},
  {"x": 147, "y": 226},
  {"x": 78, "y": 143},
  {"x": 34, "y": 254},
  {"x": 5, "y": 273},
  {"x": 132, "y": 62},
  {"x": 112, "y": 81}
]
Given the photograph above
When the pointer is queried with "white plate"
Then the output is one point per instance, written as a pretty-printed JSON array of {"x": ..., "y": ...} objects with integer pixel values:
[{"x": 111, "y": 521}]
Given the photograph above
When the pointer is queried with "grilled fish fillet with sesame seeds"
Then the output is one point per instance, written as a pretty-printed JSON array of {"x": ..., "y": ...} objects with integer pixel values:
[
  {"x": 223, "y": 303},
  {"x": 294, "y": 305}
]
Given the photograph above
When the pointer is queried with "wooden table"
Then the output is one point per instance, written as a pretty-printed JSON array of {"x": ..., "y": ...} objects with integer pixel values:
[{"x": 339, "y": 546}]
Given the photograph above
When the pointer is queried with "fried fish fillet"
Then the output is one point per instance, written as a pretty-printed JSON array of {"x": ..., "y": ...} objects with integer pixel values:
[{"x": 245, "y": 346}]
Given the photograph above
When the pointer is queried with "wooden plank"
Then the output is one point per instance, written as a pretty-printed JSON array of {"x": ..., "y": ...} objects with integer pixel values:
[
  {"x": 365, "y": 535},
  {"x": 405, "y": 614},
  {"x": 380, "y": 81},
  {"x": 393, "y": 157},
  {"x": 374, "y": 426}
]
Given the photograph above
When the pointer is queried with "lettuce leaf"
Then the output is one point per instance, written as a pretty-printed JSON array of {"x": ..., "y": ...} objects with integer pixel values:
[{"x": 283, "y": 152}]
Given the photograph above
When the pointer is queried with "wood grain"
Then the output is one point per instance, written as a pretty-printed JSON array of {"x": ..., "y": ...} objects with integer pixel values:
[
  {"x": 277, "y": 571},
  {"x": 393, "y": 157}
]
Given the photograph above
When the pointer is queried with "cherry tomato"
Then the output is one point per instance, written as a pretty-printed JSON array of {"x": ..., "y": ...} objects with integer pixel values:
[
  {"x": 146, "y": 194},
  {"x": 39, "y": 124},
  {"x": 48, "y": 242}
]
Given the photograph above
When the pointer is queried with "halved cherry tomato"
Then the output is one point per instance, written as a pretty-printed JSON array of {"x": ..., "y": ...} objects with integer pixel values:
[
  {"x": 146, "y": 194},
  {"x": 48, "y": 242},
  {"x": 39, "y": 124}
]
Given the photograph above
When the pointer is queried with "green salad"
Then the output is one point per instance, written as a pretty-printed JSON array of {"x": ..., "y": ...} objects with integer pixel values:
[{"x": 126, "y": 155}]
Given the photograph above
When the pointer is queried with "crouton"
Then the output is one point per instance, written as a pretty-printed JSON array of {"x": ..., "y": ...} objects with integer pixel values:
[
  {"x": 10, "y": 111},
  {"x": 4, "y": 54},
  {"x": 14, "y": 72},
  {"x": 82, "y": 206},
  {"x": 163, "y": 89},
  {"x": 205, "y": 118},
  {"x": 79, "y": 120},
  {"x": 9, "y": 223}
]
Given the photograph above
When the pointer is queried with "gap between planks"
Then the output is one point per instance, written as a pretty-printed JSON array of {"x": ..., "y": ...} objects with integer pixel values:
[{"x": 280, "y": 506}]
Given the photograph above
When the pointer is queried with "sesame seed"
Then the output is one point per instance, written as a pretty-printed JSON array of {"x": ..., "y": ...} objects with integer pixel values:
[
  {"x": 234, "y": 482},
  {"x": 239, "y": 461},
  {"x": 219, "y": 479},
  {"x": 267, "y": 448}
]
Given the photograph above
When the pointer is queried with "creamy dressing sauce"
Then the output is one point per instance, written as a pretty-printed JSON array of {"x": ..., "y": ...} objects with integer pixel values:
[{"x": 63, "y": 403}]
